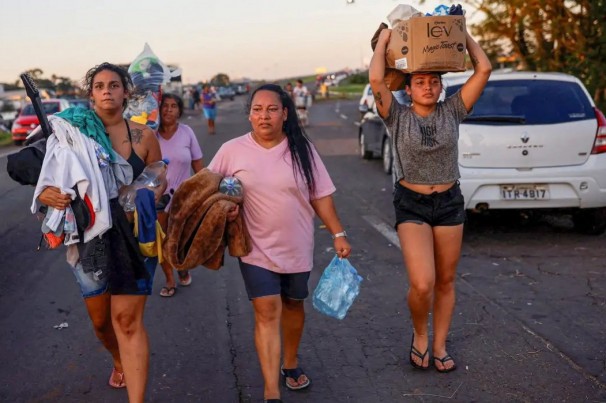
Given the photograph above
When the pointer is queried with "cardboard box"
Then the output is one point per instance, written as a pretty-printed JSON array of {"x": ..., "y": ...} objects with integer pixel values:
[{"x": 428, "y": 44}]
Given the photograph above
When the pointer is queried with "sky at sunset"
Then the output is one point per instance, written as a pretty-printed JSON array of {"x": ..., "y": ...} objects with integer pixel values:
[{"x": 257, "y": 39}]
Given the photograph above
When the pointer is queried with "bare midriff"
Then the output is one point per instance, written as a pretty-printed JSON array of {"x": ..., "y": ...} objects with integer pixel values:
[{"x": 426, "y": 189}]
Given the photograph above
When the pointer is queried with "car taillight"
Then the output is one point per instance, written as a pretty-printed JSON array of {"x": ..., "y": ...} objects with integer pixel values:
[{"x": 599, "y": 146}]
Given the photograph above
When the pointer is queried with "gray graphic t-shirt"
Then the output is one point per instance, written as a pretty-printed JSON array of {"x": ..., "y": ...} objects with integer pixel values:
[{"x": 426, "y": 148}]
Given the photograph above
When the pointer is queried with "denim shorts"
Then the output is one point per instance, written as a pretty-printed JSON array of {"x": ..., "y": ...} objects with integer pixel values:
[
  {"x": 210, "y": 113},
  {"x": 445, "y": 208},
  {"x": 261, "y": 282},
  {"x": 91, "y": 285}
]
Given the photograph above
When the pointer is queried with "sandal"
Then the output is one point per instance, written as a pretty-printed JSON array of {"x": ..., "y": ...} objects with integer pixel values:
[
  {"x": 184, "y": 278},
  {"x": 294, "y": 374},
  {"x": 414, "y": 351},
  {"x": 114, "y": 384},
  {"x": 168, "y": 291},
  {"x": 444, "y": 360}
]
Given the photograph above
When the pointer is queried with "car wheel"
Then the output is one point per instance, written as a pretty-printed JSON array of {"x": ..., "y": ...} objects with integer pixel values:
[
  {"x": 590, "y": 221},
  {"x": 364, "y": 153},
  {"x": 387, "y": 157},
  {"x": 18, "y": 142}
]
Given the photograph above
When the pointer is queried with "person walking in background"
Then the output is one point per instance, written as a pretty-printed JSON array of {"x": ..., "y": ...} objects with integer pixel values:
[
  {"x": 114, "y": 277},
  {"x": 285, "y": 183},
  {"x": 195, "y": 96},
  {"x": 429, "y": 206},
  {"x": 209, "y": 105},
  {"x": 289, "y": 90},
  {"x": 300, "y": 95},
  {"x": 180, "y": 146}
]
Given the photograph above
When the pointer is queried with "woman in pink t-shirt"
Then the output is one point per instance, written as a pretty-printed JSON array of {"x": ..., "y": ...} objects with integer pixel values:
[
  {"x": 180, "y": 146},
  {"x": 285, "y": 184}
]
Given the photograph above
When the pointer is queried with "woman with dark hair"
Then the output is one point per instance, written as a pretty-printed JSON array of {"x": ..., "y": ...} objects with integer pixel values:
[
  {"x": 429, "y": 205},
  {"x": 285, "y": 183},
  {"x": 180, "y": 146},
  {"x": 114, "y": 277}
]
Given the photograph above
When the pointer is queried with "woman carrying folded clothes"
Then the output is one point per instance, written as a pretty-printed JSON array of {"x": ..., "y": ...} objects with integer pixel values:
[
  {"x": 285, "y": 183},
  {"x": 180, "y": 146},
  {"x": 428, "y": 202},
  {"x": 114, "y": 277}
]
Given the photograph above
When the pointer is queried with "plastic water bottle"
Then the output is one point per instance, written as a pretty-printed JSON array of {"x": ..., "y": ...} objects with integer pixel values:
[
  {"x": 231, "y": 186},
  {"x": 153, "y": 177}
]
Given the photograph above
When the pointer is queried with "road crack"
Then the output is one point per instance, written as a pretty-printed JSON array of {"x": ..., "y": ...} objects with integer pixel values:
[{"x": 232, "y": 350}]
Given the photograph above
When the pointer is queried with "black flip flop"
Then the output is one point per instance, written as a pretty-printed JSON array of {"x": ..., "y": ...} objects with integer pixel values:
[
  {"x": 295, "y": 374},
  {"x": 443, "y": 360},
  {"x": 414, "y": 351},
  {"x": 168, "y": 292}
]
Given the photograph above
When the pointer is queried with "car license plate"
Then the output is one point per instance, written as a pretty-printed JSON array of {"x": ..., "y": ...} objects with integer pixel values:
[{"x": 524, "y": 192}]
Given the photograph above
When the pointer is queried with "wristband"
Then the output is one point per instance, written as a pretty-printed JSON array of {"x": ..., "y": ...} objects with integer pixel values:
[{"x": 339, "y": 234}]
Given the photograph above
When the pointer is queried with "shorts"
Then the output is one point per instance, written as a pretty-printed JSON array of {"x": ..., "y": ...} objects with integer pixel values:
[
  {"x": 445, "y": 208},
  {"x": 210, "y": 113},
  {"x": 91, "y": 285},
  {"x": 261, "y": 282},
  {"x": 113, "y": 262}
]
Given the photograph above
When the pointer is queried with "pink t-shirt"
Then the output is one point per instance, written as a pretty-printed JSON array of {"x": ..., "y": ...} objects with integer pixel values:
[
  {"x": 277, "y": 209},
  {"x": 180, "y": 150}
]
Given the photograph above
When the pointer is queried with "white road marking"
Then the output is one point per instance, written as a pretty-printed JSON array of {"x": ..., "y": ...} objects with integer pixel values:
[
  {"x": 384, "y": 229},
  {"x": 357, "y": 124},
  {"x": 9, "y": 151},
  {"x": 343, "y": 116}
]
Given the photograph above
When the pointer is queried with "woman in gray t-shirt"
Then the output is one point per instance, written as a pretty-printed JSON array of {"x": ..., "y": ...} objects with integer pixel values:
[{"x": 429, "y": 206}]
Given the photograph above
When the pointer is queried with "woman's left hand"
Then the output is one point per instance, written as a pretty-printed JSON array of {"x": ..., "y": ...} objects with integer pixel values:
[
  {"x": 233, "y": 213},
  {"x": 342, "y": 247}
]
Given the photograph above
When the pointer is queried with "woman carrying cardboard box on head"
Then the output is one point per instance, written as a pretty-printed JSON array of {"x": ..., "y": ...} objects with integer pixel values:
[{"x": 428, "y": 202}]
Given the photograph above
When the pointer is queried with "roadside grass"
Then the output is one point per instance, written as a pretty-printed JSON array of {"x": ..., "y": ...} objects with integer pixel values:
[
  {"x": 5, "y": 139},
  {"x": 347, "y": 91}
]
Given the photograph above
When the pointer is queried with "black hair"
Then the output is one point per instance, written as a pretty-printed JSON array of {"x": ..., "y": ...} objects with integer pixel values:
[
  {"x": 300, "y": 81},
  {"x": 175, "y": 98},
  {"x": 127, "y": 82},
  {"x": 299, "y": 144}
]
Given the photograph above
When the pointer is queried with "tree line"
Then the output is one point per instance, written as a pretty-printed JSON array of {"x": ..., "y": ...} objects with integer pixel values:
[{"x": 566, "y": 36}]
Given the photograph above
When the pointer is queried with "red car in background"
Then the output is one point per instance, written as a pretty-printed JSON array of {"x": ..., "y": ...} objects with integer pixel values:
[{"x": 27, "y": 120}]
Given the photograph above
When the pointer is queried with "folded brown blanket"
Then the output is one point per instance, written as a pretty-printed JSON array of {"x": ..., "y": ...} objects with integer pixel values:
[{"x": 198, "y": 231}]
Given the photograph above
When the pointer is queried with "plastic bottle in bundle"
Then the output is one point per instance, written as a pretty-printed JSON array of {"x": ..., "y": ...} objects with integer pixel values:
[
  {"x": 441, "y": 10},
  {"x": 153, "y": 177}
]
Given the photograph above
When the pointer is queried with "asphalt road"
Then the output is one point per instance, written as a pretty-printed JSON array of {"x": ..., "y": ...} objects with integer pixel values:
[{"x": 528, "y": 325}]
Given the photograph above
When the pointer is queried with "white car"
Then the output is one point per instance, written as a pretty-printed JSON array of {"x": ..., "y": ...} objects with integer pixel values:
[
  {"x": 367, "y": 101},
  {"x": 534, "y": 141}
]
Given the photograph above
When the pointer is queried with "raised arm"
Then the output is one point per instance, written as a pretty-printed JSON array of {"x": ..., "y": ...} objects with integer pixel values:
[
  {"x": 376, "y": 75},
  {"x": 472, "y": 89}
]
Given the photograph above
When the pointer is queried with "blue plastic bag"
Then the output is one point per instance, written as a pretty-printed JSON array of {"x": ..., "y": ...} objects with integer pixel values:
[{"x": 338, "y": 288}]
